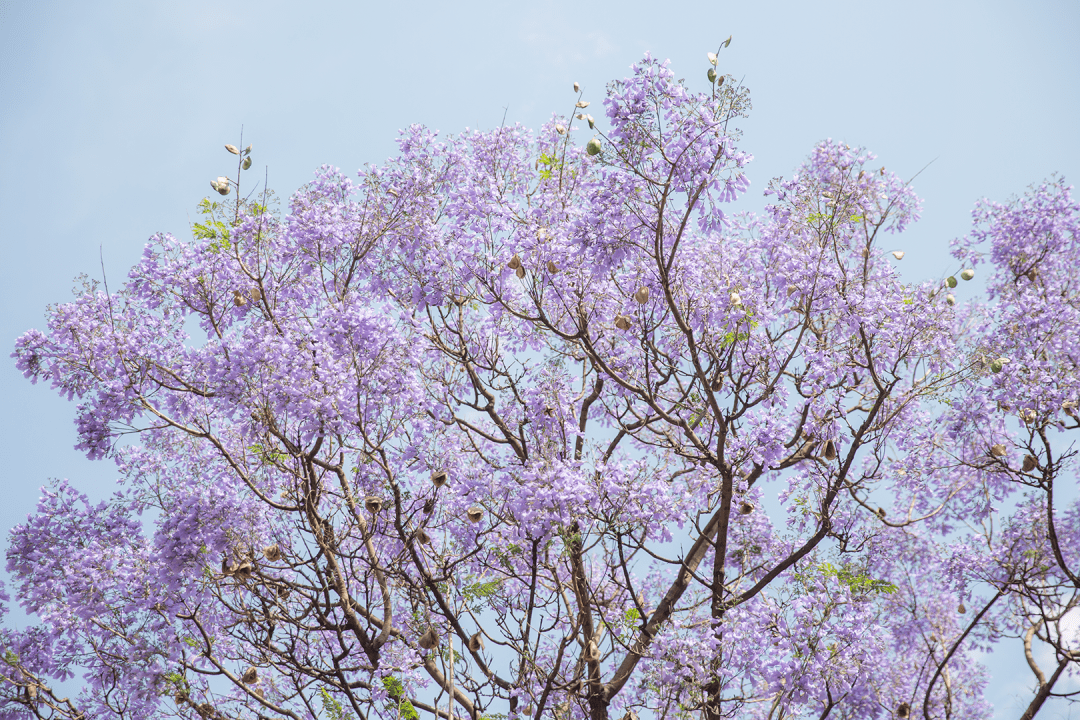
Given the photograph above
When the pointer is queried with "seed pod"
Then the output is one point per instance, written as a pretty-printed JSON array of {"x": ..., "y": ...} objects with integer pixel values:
[
  {"x": 1029, "y": 463},
  {"x": 1027, "y": 415},
  {"x": 246, "y": 164},
  {"x": 582, "y": 104},
  {"x": 1069, "y": 408},
  {"x": 716, "y": 384},
  {"x": 238, "y": 298},
  {"x": 429, "y": 639},
  {"x": 593, "y": 147},
  {"x": 475, "y": 514},
  {"x": 476, "y": 643},
  {"x": 272, "y": 552},
  {"x": 898, "y": 254},
  {"x": 830, "y": 450},
  {"x": 967, "y": 274},
  {"x": 243, "y": 570},
  {"x": 577, "y": 88},
  {"x": 232, "y": 149},
  {"x": 712, "y": 58},
  {"x": 996, "y": 365},
  {"x": 592, "y": 653},
  {"x": 642, "y": 295},
  {"x": 256, "y": 294},
  {"x": 951, "y": 281},
  {"x": 373, "y": 504},
  {"x": 31, "y": 693},
  {"x": 247, "y": 150},
  {"x": 515, "y": 262},
  {"x": 745, "y": 508},
  {"x": 622, "y": 322},
  {"x": 520, "y": 272},
  {"x": 552, "y": 267},
  {"x": 422, "y": 537},
  {"x": 250, "y": 676},
  {"x": 950, "y": 299},
  {"x": 998, "y": 450},
  {"x": 736, "y": 300},
  {"x": 721, "y": 81},
  {"x": 903, "y": 710},
  {"x": 711, "y": 75},
  {"x": 258, "y": 692},
  {"x": 961, "y": 609},
  {"x": 881, "y": 513},
  {"x": 429, "y": 505},
  {"x": 726, "y": 42},
  {"x": 226, "y": 567},
  {"x": 592, "y": 123},
  {"x": 560, "y": 129},
  {"x": 439, "y": 478},
  {"x": 1032, "y": 274}
]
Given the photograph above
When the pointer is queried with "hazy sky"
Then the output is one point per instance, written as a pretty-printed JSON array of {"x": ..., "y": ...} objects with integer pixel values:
[{"x": 113, "y": 116}]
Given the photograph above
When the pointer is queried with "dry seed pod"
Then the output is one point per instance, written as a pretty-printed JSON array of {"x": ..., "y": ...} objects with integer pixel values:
[
  {"x": 998, "y": 450},
  {"x": 250, "y": 676},
  {"x": 373, "y": 504},
  {"x": 1027, "y": 415},
  {"x": 429, "y": 505},
  {"x": 476, "y": 643},
  {"x": 967, "y": 274},
  {"x": 247, "y": 150},
  {"x": 951, "y": 299},
  {"x": 881, "y": 513},
  {"x": 422, "y": 536},
  {"x": 515, "y": 262},
  {"x": 552, "y": 267},
  {"x": 593, "y": 147},
  {"x": 243, "y": 571},
  {"x": 745, "y": 508},
  {"x": 475, "y": 514},
  {"x": 712, "y": 58},
  {"x": 951, "y": 281},
  {"x": 560, "y": 129},
  {"x": 238, "y": 298},
  {"x": 961, "y": 609},
  {"x": 520, "y": 272},
  {"x": 735, "y": 299},
  {"x": 272, "y": 552},
  {"x": 246, "y": 164},
  {"x": 232, "y": 149},
  {"x": 577, "y": 88},
  {"x": 903, "y": 710},
  {"x": 258, "y": 692},
  {"x": 642, "y": 295},
  {"x": 830, "y": 450},
  {"x": 716, "y": 384},
  {"x": 622, "y": 322},
  {"x": 582, "y": 104},
  {"x": 429, "y": 639},
  {"x": 31, "y": 692},
  {"x": 439, "y": 478},
  {"x": 226, "y": 567},
  {"x": 721, "y": 81},
  {"x": 256, "y": 294},
  {"x": 898, "y": 254},
  {"x": 1029, "y": 463},
  {"x": 1069, "y": 408}
]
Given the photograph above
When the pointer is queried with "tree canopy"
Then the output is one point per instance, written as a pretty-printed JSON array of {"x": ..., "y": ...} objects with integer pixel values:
[{"x": 525, "y": 424}]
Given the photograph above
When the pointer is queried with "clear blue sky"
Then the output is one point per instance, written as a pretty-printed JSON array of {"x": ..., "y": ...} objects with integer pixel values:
[{"x": 113, "y": 115}]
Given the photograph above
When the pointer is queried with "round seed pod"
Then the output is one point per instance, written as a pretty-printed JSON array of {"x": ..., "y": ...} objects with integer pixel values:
[
  {"x": 967, "y": 274},
  {"x": 642, "y": 295},
  {"x": 1032, "y": 274},
  {"x": 961, "y": 609},
  {"x": 439, "y": 478},
  {"x": 996, "y": 365},
  {"x": 429, "y": 505},
  {"x": 247, "y": 150},
  {"x": 475, "y": 514},
  {"x": 711, "y": 75},
  {"x": 520, "y": 272},
  {"x": 476, "y": 643},
  {"x": 881, "y": 513},
  {"x": 736, "y": 300},
  {"x": 272, "y": 552},
  {"x": 31, "y": 692},
  {"x": 232, "y": 149},
  {"x": 622, "y": 322},
  {"x": 422, "y": 537},
  {"x": 716, "y": 384},
  {"x": 593, "y": 147},
  {"x": 552, "y": 267},
  {"x": 243, "y": 570},
  {"x": 246, "y": 164},
  {"x": 1029, "y": 463},
  {"x": 903, "y": 710},
  {"x": 560, "y": 129},
  {"x": 898, "y": 254},
  {"x": 951, "y": 281},
  {"x": 950, "y": 299},
  {"x": 250, "y": 676},
  {"x": 221, "y": 185},
  {"x": 1027, "y": 415},
  {"x": 998, "y": 450},
  {"x": 745, "y": 508},
  {"x": 577, "y": 88},
  {"x": 256, "y": 294},
  {"x": 238, "y": 298},
  {"x": 515, "y": 262},
  {"x": 373, "y": 504},
  {"x": 429, "y": 639},
  {"x": 830, "y": 450}
]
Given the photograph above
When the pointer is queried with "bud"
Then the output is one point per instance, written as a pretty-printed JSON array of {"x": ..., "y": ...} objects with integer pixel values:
[
  {"x": 967, "y": 274},
  {"x": 250, "y": 676},
  {"x": 552, "y": 268},
  {"x": 745, "y": 508},
  {"x": 1029, "y": 463},
  {"x": 560, "y": 129},
  {"x": 247, "y": 163},
  {"x": 238, "y": 298},
  {"x": 898, "y": 254},
  {"x": 830, "y": 451},
  {"x": 593, "y": 147},
  {"x": 582, "y": 104},
  {"x": 951, "y": 299},
  {"x": 515, "y": 262},
  {"x": 520, "y": 272},
  {"x": 476, "y": 643},
  {"x": 272, "y": 552},
  {"x": 712, "y": 58},
  {"x": 642, "y": 295},
  {"x": 577, "y": 88},
  {"x": 373, "y": 504},
  {"x": 711, "y": 75},
  {"x": 439, "y": 478},
  {"x": 998, "y": 450},
  {"x": 429, "y": 639},
  {"x": 622, "y": 322},
  {"x": 232, "y": 149},
  {"x": 961, "y": 609},
  {"x": 475, "y": 514}
]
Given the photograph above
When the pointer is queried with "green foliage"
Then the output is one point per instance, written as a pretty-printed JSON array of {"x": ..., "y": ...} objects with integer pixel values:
[
  {"x": 481, "y": 591},
  {"x": 214, "y": 230},
  {"x": 550, "y": 165},
  {"x": 397, "y": 692},
  {"x": 857, "y": 581},
  {"x": 331, "y": 707},
  {"x": 10, "y": 657}
]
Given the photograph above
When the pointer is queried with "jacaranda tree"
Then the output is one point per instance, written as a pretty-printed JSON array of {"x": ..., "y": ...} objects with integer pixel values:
[{"x": 526, "y": 425}]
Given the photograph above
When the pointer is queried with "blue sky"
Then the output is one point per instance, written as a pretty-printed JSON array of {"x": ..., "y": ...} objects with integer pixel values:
[{"x": 113, "y": 115}]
